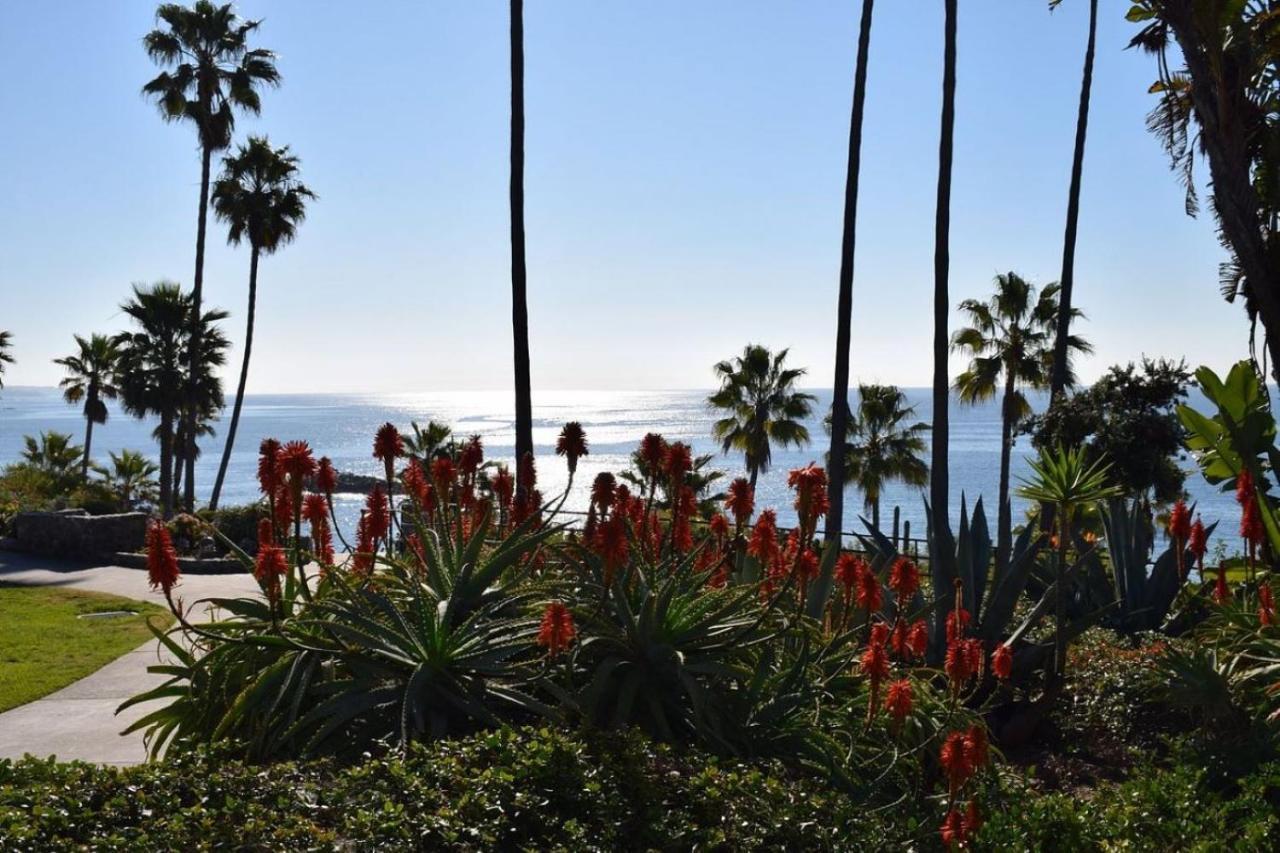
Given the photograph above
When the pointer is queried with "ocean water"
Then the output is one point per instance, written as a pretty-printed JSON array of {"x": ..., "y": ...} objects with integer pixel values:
[{"x": 341, "y": 426}]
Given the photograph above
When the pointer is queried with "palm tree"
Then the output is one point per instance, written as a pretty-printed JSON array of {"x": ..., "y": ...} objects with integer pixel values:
[
  {"x": 1058, "y": 381},
  {"x": 1010, "y": 341},
  {"x": 260, "y": 198},
  {"x": 213, "y": 74},
  {"x": 519, "y": 301},
  {"x": 762, "y": 406},
  {"x": 939, "y": 485},
  {"x": 154, "y": 365},
  {"x": 844, "y": 308},
  {"x": 54, "y": 454},
  {"x": 131, "y": 477},
  {"x": 427, "y": 442},
  {"x": 6, "y": 344},
  {"x": 91, "y": 378},
  {"x": 884, "y": 448}
]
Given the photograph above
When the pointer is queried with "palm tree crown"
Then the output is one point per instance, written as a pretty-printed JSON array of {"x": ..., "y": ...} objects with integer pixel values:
[
  {"x": 213, "y": 70},
  {"x": 91, "y": 378},
  {"x": 883, "y": 448},
  {"x": 6, "y": 357},
  {"x": 762, "y": 406},
  {"x": 259, "y": 195},
  {"x": 154, "y": 373},
  {"x": 131, "y": 477},
  {"x": 1011, "y": 336}
]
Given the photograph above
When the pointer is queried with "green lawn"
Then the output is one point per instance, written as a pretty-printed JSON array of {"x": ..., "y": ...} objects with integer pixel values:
[{"x": 44, "y": 646}]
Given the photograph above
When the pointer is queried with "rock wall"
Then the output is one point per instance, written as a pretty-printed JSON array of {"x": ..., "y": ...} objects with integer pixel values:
[{"x": 75, "y": 533}]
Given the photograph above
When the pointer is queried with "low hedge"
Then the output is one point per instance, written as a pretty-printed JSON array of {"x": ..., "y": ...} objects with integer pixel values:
[
  {"x": 537, "y": 789},
  {"x": 511, "y": 790}
]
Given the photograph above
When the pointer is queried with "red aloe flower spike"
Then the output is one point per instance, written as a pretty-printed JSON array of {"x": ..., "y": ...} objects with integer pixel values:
[
  {"x": 764, "y": 537},
  {"x": 676, "y": 463},
  {"x": 162, "y": 559},
  {"x": 388, "y": 446},
  {"x": 572, "y": 445},
  {"x": 315, "y": 509},
  {"x": 956, "y": 759},
  {"x": 869, "y": 595},
  {"x": 557, "y": 631},
  {"x": 612, "y": 544},
  {"x": 1220, "y": 591},
  {"x": 904, "y": 580},
  {"x": 898, "y": 701},
  {"x": 953, "y": 830},
  {"x": 326, "y": 477},
  {"x": 1266, "y": 606},
  {"x": 269, "y": 466},
  {"x": 602, "y": 491},
  {"x": 653, "y": 448},
  {"x": 810, "y": 484},
  {"x": 379, "y": 514},
  {"x": 1198, "y": 544},
  {"x": 1002, "y": 662},
  {"x": 527, "y": 472},
  {"x": 740, "y": 501},
  {"x": 504, "y": 487},
  {"x": 719, "y": 527}
]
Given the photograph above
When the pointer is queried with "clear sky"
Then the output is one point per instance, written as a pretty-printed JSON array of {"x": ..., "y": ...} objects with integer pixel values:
[{"x": 685, "y": 173}]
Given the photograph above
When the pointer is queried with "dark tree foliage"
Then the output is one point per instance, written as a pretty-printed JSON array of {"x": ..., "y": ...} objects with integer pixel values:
[{"x": 1129, "y": 417}]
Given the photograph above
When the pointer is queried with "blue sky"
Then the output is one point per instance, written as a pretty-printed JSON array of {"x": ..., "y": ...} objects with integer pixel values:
[{"x": 685, "y": 170}]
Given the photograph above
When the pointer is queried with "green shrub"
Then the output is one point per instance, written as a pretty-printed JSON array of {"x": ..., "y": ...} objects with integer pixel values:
[
  {"x": 509, "y": 789},
  {"x": 237, "y": 523}
]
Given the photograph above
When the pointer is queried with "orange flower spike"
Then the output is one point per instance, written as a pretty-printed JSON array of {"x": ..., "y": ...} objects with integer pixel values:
[
  {"x": 653, "y": 449},
  {"x": 953, "y": 830},
  {"x": 1198, "y": 542},
  {"x": 869, "y": 595},
  {"x": 602, "y": 491},
  {"x": 1221, "y": 594},
  {"x": 1266, "y": 606},
  {"x": 810, "y": 485},
  {"x": 1002, "y": 662},
  {"x": 326, "y": 477},
  {"x": 956, "y": 760},
  {"x": 572, "y": 445},
  {"x": 504, "y": 486},
  {"x": 269, "y": 466},
  {"x": 557, "y": 631},
  {"x": 898, "y": 701},
  {"x": 719, "y": 527},
  {"x": 162, "y": 559},
  {"x": 740, "y": 501},
  {"x": 764, "y": 537},
  {"x": 904, "y": 580},
  {"x": 379, "y": 514},
  {"x": 315, "y": 509},
  {"x": 918, "y": 638}
]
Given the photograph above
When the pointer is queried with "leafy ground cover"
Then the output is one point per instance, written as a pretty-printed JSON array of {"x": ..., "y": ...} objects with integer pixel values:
[{"x": 44, "y": 645}]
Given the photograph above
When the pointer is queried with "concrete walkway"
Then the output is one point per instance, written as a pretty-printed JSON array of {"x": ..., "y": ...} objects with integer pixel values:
[{"x": 79, "y": 721}]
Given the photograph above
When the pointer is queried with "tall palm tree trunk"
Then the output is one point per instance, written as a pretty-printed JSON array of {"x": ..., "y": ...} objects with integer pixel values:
[
  {"x": 244, "y": 378},
  {"x": 519, "y": 304},
  {"x": 939, "y": 484},
  {"x": 88, "y": 433},
  {"x": 166, "y": 464},
  {"x": 1004, "y": 524},
  {"x": 1058, "y": 380},
  {"x": 193, "y": 365},
  {"x": 844, "y": 308}
]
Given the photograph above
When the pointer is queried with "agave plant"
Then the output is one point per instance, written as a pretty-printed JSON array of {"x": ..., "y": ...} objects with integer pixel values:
[{"x": 1144, "y": 596}]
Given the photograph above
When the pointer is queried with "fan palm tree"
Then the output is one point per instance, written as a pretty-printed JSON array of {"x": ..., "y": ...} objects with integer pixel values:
[
  {"x": 154, "y": 365},
  {"x": 519, "y": 298},
  {"x": 131, "y": 477},
  {"x": 761, "y": 405},
  {"x": 1010, "y": 342},
  {"x": 883, "y": 447},
  {"x": 1058, "y": 380},
  {"x": 426, "y": 442},
  {"x": 844, "y": 308},
  {"x": 939, "y": 482},
  {"x": 210, "y": 73},
  {"x": 90, "y": 378},
  {"x": 261, "y": 199},
  {"x": 6, "y": 357},
  {"x": 55, "y": 454}
]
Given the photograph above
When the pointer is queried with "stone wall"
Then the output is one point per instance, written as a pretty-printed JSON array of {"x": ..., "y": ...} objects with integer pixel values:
[{"x": 75, "y": 533}]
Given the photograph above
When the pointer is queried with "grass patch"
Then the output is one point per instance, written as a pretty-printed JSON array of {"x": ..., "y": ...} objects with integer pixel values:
[{"x": 45, "y": 646}]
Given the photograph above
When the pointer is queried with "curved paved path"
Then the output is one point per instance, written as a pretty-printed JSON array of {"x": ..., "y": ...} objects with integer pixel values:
[{"x": 79, "y": 721}]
